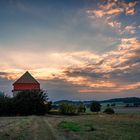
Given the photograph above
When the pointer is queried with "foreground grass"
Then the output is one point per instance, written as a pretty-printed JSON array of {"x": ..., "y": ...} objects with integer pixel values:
[
  {"x": 71, "y": 126},
  {"x": 89, "y": 127}
]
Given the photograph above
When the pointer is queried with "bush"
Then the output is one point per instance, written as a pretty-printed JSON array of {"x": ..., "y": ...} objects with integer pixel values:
[
  {"x": 109, "y": 111},
  {"x": 81, "y": 108},
  {"x": 108, "y": 105},
  {"x": 68, "y": 109},
  {"x": 113, "y": 104},
  {"x": 95, "y": 106}
]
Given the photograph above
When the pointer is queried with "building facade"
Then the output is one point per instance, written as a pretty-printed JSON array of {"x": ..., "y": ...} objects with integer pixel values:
[{"x": 25, "y": 83}]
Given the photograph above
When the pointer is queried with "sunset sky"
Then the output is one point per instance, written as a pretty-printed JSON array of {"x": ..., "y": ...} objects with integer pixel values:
[{"x": 77, "y": 49}]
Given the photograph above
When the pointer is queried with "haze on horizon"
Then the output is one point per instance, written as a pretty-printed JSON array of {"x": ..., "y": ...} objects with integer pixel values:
[{"x": 77, "y": 49}]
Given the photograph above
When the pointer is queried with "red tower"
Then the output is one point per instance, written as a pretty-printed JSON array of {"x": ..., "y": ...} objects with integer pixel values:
[{"x": 25, "y": 82}]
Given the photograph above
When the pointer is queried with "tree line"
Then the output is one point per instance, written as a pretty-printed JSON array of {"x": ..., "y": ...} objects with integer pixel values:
[
  {"x": 25, "y": 103},
  {"x": 36, "y": 103}
]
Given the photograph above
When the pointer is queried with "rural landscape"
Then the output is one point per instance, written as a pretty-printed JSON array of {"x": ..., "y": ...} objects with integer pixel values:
[
  {"x": 69, "y": 70},
  {"x": 29, "y": 116}
]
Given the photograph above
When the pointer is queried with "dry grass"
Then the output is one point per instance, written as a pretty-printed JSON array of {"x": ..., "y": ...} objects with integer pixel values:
[{"x": 89, "y": 127}]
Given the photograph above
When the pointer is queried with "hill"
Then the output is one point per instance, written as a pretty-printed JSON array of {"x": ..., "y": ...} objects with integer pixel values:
[{"x": 115, "y": 100}]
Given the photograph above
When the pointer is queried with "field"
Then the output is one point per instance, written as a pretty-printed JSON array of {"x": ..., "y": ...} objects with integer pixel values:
[
  {"x": 82, "y": 127},
  {"x": 127, "y": 110}
]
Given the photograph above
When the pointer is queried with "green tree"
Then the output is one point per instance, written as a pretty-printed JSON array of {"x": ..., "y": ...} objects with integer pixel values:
[
  {"x": 6, "y": 106},
  {"x": 48, "y": 106},
  {"x": 68, "y": 109},
  {"x": 95, "y": 106},
  {"x": 81, "y": 108},
  {"x": 30, "y": 102}
]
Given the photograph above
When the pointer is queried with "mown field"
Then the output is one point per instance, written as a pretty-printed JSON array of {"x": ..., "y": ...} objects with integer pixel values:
[{"x": 82, "y": 127}]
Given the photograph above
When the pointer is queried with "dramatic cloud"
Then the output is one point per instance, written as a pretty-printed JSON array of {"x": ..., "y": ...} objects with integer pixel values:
[
  {"x": 81, "y": 50},
  {"x": 110, "y": 72},
  {"x": 109, "y": 12},
  {"x": 89, "y": 71},
  {"x": 114, "y": 8}
]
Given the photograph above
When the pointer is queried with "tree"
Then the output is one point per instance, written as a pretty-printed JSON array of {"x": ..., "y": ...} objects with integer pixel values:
[
  {"x": 30, "y": 102},
  {"x": 95, "y": 106},
  {"x": 113, "y": 104},
  {"x": 6, "y": 106},
  {"x": 81, "y": 108},
  {"x": 25, "y": 103},
  {"x": 68, "y": 109},
  {"x": 2, "y": 106},
  {"x": 49, "y": 106},
  {"x": 108, "y": 105}
]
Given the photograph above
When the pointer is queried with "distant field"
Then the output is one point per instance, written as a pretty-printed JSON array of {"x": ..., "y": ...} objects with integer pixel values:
[
  {"x": 82, "y": 127},
  {"x": 127, "y": 110},
  {"x": 121, "y": 110}
]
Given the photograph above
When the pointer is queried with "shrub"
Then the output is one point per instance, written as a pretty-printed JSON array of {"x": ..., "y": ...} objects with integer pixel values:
[
  {"x": 108, "y": 105},
  {"x": 95, "y": 106},
  {"x": 109, "y": 111},
  {"x": 81, "y": 108},
  {"x": 113, "y": 104},
  {"x": 68, "y": 109},
  {"x": 127, "y": 105}
]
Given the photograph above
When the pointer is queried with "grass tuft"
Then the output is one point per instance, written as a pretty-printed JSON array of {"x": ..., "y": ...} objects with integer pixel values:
[{"x": 71, "y": 126}]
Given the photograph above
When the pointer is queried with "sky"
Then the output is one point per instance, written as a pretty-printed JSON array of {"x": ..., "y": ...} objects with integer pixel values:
[{"x": 76, "y": 49}]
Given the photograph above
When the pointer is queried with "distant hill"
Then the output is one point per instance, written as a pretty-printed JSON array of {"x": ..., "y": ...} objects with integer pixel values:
[
  {"x": 124, "y": 100},
  {"x": 115, "y": 100},
  {"x": 72, "y": 102}
]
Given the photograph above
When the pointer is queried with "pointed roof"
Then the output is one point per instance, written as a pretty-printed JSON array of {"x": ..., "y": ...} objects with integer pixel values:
[{"x": 26, "y": 78}]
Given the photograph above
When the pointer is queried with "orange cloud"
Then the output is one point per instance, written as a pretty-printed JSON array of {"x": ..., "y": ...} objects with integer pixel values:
[
  {"x": 110, "y": 10},
  {"x": 82, "y": 68},
  {"x": 130, "y": 8},
  {"x": 97, "y": 90},
  {"x": 115, "y": 89},
  {"x": 131, "y": 86},
  {"x": 114, "y": 7},
  {"x": 114, "y": 24},
  {"x": 129, "y": 44},
  {"x": 130, "y": 29},
  {"x": 116, "y": 62}
]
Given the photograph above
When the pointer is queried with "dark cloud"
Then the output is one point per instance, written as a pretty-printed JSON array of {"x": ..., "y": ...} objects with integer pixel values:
[{"x": 59, "y": 89}]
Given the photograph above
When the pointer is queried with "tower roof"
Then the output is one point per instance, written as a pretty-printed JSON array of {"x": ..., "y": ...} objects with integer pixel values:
[{"x": 26, "y": 78}]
